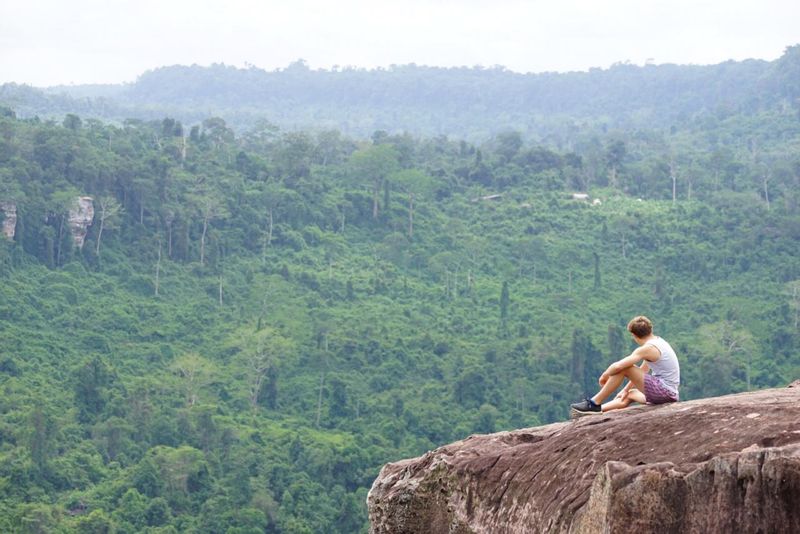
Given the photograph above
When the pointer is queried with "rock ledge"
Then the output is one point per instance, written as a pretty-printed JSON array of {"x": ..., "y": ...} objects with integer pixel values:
[{"x": 725, "y": 464}]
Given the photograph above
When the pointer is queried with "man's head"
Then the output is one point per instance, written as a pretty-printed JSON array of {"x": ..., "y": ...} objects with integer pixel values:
[{"x": 640, "y": 327}]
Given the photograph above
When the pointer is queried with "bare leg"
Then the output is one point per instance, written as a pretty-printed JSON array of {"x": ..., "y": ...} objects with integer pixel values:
[
  {"x": 616, "y": 404},
  {"x": 633, "y": 373},
  {"x": 611, "y": 384},
  {"x": 634, "y": 395}
]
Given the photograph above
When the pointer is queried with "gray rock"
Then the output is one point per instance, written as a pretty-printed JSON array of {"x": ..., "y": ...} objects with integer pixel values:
[{"x": 80, "y": 219}]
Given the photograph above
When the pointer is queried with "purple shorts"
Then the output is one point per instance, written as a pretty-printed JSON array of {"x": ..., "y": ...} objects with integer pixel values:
[{"x": 655, "y": 392}]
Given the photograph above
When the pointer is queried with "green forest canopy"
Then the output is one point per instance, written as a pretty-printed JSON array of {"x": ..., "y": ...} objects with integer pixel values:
[
  {"x": 472, "y": 103},
  {"x": 267, "y": 318}
]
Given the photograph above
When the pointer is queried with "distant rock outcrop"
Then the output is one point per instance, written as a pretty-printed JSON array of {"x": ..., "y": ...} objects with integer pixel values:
[
  {"x": 725, "y": 464},
  {"x": 80, "y": 219},
  {"x": 9, "y": 210}
]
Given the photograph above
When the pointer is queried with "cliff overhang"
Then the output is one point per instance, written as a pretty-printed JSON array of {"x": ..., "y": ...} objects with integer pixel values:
[{"x": 724, "y": 464}]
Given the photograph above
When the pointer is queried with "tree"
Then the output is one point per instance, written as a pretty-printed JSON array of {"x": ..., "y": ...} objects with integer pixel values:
[
  {"x": 61, "y": 204},
  {"x": 35, "y": 518},
  {"x": 504, "y": 302},
  {"x": 416, "y": 184},
  {"x": 217, "y": 132},
  {"x": 72, "y": 122},
  {"x": 96, "y": 522},
  {"x": 372, "y": 165},
  {"x": 272, "y": 196},
  {"x": 91, "y": 382},
  {"x": 469, "y": 388},
  {"x": 131, "y": 508},
  {"x": 508, "y": 145},
  {"x": 178, "y": 468},
  {"x": 623, "y": 225},
  {"x": 293, "y": 157},
  {"x": 530, "y": 251},
  {"x": 110, "y": 209},
  {"x": 158, "y": 268},
  {"x": 596, "y": 270},
  {"x": 586, "y": 362},
  {"x": 793, "y": 290},
  {"x": 263, "y": 351},
  {"x": 112, "y": 436},
  {"x": 729, "y": 342},
  {"x": 616, "y": 343},
  {"x": 447, "y": 266},
  {"x": 209, "y": 206},
  {"x": 487, "y": 419},
  {"x": 615, "y": 154},
  {"x": 10, "y": 190},
  {"x": 41, "y": 431},
  {"x": 196, "y": 372}
]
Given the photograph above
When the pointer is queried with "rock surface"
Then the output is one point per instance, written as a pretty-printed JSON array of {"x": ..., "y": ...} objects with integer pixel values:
[
  {"x": 9, "y": 210},
  {"x": 725, "y": 464},
  {"x": 80, "y": 219}
]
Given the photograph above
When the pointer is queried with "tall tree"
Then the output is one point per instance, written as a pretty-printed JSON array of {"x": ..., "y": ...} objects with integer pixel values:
[
  {"x": 372, "y": 165},
  {"x": 730, "y": 342},
  {"x": 196, "y": 373},
  {"x": 615, "y": 155},
  {"x": 616, "y": 342},
  {"x": 417, "y": 185},
  {"x": 41, "y": 431},
  {"x": 263, "y": 352},
  {"x": 109, "y": 210},
  {"x": 209, "y": 206},
  {"x": 504, "y": 302}
]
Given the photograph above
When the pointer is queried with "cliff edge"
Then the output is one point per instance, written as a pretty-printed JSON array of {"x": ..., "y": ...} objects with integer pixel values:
[{"x": 723, "y": 464}]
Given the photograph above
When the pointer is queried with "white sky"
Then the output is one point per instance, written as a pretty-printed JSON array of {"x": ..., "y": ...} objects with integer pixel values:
[{"x": 49, "y": 42}]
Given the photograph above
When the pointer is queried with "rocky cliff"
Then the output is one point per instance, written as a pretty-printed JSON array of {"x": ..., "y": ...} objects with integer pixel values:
[
  {"x": 9, "y": 225},
  {"x": 725, "y": 464},
  {"x": 80, "y": 219}
]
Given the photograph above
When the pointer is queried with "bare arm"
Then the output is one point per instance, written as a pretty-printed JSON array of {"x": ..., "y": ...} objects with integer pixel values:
[{"x": 645, "y": 352}]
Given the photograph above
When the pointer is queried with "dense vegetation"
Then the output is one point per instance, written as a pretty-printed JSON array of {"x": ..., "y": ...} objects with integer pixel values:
[
  {"x": 256, "y": 323},
  {"x": 471, "y": 103}
]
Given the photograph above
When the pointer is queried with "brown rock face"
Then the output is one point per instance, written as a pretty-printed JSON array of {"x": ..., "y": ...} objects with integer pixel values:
[{"x": 727, "y": 464}]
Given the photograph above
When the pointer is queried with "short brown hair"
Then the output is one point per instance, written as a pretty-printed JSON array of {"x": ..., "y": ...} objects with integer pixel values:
[{"x": 640, "y": 326}]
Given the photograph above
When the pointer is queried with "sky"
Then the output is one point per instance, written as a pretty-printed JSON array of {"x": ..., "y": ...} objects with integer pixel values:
[{"x": 55, "y": 42}]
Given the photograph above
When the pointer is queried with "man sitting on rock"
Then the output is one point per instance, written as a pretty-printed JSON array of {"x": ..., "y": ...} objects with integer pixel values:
[{"x": 660, "y": 387}]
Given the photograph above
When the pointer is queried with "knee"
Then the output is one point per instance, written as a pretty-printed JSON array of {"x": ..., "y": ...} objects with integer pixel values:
[{"x": 630, "y": 371}]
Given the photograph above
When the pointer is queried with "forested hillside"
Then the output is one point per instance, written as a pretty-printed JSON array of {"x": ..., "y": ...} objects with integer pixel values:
[
  {"x": 255, "y": 323},
  {"x": 471, "y": 103}
]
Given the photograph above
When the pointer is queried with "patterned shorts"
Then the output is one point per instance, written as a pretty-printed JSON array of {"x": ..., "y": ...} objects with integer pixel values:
[{"x": 655, "y": 392}]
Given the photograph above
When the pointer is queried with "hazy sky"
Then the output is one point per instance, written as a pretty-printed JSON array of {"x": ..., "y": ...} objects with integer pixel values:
[{"x": 48, "y": 42}]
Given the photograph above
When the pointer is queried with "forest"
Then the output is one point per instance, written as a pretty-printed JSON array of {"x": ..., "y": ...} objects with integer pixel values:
[
  {"x": 470, "y": 103},
  {"x": 257, "y": 319}
]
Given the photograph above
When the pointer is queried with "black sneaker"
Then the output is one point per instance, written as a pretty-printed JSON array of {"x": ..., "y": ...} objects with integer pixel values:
[{"x": 585, "y": 407}]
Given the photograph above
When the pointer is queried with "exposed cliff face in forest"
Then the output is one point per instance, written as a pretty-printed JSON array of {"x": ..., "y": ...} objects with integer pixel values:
[
  {"x": 724, "y": 464},
  {"x": 9, "y": 218},
  {"x": 80, "y": 219}
]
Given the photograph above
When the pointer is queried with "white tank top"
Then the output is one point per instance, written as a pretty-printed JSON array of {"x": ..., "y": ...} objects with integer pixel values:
[{"x": 666, "y": 367}]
